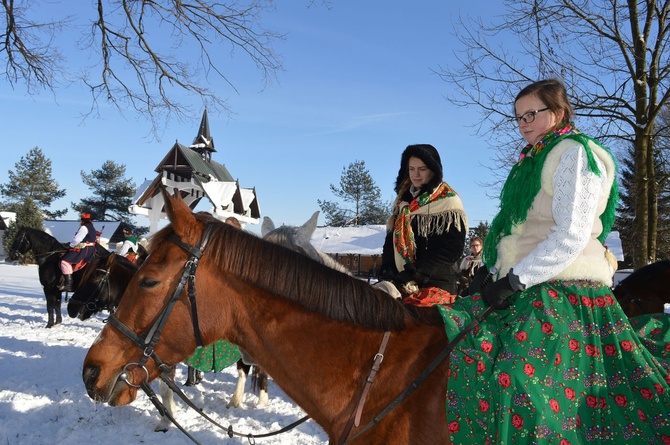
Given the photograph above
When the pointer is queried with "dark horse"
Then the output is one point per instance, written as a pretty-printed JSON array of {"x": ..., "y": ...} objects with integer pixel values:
[
  {"x": 102, "y": 284},
  {"x": 645, "y": 290},
  {"x": 47, "y": 251},
  {"x": 285, "y": 310}
]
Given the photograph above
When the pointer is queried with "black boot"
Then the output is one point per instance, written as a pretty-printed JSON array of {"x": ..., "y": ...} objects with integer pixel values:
[
  {"x": 67, "y": 283},
  {"x": 194, "y": 376}
]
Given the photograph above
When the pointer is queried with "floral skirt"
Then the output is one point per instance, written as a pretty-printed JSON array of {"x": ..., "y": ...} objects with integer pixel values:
[
  {"x": 214, "y": 357},
  {"x": 562, "y": 365}
]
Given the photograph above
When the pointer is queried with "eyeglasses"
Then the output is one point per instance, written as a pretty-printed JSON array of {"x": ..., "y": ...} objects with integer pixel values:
[{"x": 529, "y": 116}]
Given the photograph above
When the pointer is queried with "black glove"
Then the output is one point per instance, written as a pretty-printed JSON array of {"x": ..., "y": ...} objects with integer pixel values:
[
  {"x": 407, "y": 275},
  {"x": 478, "y": 281},
  {"x": 387, "y": 273},
  {"x": 496, "y": 294}
]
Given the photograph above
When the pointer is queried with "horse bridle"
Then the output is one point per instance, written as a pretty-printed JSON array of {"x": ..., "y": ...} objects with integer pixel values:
[
  {"x": 17, "y": 251},
  {"x": 147, "y": 341}
]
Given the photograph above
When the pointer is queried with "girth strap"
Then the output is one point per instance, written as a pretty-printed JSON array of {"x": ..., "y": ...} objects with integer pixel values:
[{"x": 355, "y": 418}]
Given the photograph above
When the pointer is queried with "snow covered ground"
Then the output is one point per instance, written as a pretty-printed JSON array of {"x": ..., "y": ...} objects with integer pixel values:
[{"x": 43, "y": 400}]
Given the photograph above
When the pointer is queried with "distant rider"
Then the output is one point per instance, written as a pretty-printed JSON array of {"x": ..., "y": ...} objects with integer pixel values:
[
  {"x": 129, "y": 248},
  {"x": 82, "y": 249}
]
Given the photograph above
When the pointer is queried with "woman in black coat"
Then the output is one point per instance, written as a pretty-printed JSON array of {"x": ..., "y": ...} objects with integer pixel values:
[{"x": 426, "y": 232}]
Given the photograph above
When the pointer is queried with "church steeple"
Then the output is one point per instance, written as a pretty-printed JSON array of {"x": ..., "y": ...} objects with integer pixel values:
[{"x": 203, "y": 142}]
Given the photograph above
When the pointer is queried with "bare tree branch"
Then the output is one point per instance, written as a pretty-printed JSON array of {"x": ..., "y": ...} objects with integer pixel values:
[
  {"x": 613, "y": 57},
  {"x": 27, "y": 45},
  {"x": 149, "y": 56}
]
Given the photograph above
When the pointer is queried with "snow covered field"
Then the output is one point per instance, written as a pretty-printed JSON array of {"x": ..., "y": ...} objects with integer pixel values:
[{"x": 43, "y": 399}]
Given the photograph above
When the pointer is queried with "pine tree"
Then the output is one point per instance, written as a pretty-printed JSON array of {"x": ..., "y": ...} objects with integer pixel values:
[
  {"x": 32, "y": 181},
  {"x": 626, "y": 210},
  {"x": 112, "y": 193},
  {"x": 358, "y": 189}
]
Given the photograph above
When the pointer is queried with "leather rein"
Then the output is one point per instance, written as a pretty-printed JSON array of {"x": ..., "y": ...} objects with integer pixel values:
[{"x": 147, "y": 342}]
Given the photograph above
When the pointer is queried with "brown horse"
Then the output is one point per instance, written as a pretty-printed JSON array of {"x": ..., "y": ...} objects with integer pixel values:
[
  {"x": 285, "y": 310},
  {"x": 645, "y": 290}
]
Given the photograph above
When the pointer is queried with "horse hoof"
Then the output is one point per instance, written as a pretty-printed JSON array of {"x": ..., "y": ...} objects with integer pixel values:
[{"x": 49, "y": 325}]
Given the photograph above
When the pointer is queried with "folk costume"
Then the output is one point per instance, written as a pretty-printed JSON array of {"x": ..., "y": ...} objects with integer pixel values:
[
  {"x": 80, "y": 252},
  {"x": 215, "y": 357},
  {"x": 129, "y": 248},
  {"x": 561, "y": 364},
  {"x": 425, "y": 236}
]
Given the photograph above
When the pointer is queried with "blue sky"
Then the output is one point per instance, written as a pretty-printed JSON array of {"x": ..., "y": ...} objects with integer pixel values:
[{"x": 357, "y": 85}]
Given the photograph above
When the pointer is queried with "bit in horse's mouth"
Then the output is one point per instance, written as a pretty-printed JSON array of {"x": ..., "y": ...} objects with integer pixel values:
[{"x": 109, "y": 393}]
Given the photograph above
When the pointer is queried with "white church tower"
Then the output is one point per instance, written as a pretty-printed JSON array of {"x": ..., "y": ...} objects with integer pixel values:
[{"x": 192, "y": 171}]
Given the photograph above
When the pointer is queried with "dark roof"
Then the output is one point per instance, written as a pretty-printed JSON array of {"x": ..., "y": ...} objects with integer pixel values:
[
  {"x": 185, "y": 161},
  {"x": 204, "y": 141}
]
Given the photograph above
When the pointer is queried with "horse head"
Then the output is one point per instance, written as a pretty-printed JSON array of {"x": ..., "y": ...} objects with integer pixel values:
[
  {"x": 299, "y": 239},
  {"x": 115, "y": 367},
  {"x": 101, "y": 286},
  {"x": 20, "y": 245}
]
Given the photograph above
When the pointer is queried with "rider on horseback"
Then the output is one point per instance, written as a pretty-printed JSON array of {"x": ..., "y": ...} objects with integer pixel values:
[
  {"x": 82, "y": 248},
  {"x": 129, "y": 248}
]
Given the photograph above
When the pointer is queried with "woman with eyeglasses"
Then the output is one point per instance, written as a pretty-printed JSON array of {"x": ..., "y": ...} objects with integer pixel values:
[{"x": 558, "y": 361}]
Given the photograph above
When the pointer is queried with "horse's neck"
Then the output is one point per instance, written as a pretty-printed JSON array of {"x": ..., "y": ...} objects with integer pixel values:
[{"x": 323, "y": 364}]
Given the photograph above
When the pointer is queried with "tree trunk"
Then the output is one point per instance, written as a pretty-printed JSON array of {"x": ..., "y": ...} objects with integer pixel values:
[
  {"x": 641, "y": 220},
  {"x": 653, "y": 206}
]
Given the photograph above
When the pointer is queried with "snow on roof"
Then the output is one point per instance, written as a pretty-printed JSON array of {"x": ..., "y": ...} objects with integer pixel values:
[
  {"x": 360, "y": 240},
  {"x": 63, "y": 231},
  {"x": 369, "y": 240}
]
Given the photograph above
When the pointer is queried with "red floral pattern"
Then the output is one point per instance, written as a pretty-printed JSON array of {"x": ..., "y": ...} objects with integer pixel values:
[{"x": 562, "y": 365}]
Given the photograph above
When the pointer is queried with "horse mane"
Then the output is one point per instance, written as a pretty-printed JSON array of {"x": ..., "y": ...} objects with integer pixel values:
[
  {"x": 298, "y": 278},
  {"x": 647, "y": 273},
  {"x": 43, "y": 237},
  {"x": 109, "y": 261}
]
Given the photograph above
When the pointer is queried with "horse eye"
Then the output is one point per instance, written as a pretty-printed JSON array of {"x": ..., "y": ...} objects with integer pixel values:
[{"x": 148, "y": 283}]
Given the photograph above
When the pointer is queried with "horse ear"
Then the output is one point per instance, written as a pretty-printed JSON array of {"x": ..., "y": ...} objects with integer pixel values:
[
  {"x": 306, "y": 231},
  {"x": 268, "y": 226},
  {"x": 180, "y": 215}
]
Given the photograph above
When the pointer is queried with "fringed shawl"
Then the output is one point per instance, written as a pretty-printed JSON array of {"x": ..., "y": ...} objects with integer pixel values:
[{"x": 433, "y": 212}]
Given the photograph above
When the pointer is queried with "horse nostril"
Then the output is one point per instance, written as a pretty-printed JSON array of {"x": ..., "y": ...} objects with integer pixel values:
[{"x": 90, "y": 376}]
